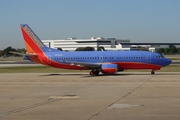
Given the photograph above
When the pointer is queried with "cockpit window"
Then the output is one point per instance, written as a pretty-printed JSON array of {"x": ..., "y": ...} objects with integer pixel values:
[{"x": 160, "y": 56}]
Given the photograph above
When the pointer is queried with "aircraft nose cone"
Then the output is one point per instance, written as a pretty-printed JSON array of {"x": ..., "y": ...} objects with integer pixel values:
[
  {"x": 168, "y": 61},
  {"x": 165, "y": 62}
]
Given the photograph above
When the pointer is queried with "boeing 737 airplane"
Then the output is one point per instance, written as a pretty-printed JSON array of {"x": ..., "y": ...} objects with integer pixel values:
[{"x": 108, "y": 62}]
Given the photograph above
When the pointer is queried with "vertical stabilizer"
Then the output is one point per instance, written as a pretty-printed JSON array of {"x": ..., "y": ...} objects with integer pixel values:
[{"x": 32, "y": 41}]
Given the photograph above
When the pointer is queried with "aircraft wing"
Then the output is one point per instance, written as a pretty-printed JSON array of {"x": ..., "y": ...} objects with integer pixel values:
[
  {"x": 85, "y": 64},
  {"x": 24, "y": 54}
]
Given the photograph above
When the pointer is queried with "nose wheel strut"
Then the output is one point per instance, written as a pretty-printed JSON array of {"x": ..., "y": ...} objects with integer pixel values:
[{"x": 152, "y": 72}]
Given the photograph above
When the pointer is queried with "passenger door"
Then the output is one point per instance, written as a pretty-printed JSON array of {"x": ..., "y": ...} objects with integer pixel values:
[
  {"x": 148, "y": 58},
  {"x": 100, "y": 58}
]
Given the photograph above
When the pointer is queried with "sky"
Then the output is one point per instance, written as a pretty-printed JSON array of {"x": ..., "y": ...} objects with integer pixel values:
[{"x": 137, "y": 20}]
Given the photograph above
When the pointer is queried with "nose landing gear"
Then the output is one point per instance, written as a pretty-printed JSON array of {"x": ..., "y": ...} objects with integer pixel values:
[{"x": 152, "y": 72}]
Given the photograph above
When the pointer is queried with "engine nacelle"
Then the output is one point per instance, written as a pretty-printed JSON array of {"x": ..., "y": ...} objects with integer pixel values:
[{"x": 109, "y": 68}]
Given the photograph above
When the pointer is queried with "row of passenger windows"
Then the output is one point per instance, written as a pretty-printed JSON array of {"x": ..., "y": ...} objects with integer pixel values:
[{"x": 82, "y": 58}]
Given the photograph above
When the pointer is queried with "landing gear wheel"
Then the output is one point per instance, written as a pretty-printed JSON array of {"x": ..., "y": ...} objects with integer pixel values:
[
  {"x": 91, "y": 73},
  {"x": 152, "y": 72},
  {"x": 94, "y": 73}
]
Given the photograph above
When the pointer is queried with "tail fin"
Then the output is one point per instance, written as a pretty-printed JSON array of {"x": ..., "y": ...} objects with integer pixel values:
[{"x": 32, "y": 41}]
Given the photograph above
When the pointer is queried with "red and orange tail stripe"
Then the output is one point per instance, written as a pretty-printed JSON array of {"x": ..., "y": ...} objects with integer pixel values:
[{"x": 32, "y": 42}]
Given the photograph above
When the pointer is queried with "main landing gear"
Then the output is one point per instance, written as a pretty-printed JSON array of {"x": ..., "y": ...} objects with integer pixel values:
[
  {"x": 152, "y": 72},
  {"x": 94, "y": 72}
]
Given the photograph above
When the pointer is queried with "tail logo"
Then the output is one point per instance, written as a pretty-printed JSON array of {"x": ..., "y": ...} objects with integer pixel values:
[{"x": 33, "y": 36}]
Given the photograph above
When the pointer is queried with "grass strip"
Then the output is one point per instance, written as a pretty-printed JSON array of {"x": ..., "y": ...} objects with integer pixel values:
[{"x": 34, "y": 69}]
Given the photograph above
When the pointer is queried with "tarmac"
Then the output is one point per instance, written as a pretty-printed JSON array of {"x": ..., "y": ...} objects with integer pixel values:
[{"x": 74, "y": 96}]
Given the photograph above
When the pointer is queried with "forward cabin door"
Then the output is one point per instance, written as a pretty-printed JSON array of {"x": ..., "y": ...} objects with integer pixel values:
[
  {"x": 148, "y": 58},
  {"x": 100, "y": 58}
]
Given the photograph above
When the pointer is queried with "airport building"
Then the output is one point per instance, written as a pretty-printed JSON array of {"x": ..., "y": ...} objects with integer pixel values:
[
  {"x": 71, "y": 44},
  {"x": 153, "y": 47}
]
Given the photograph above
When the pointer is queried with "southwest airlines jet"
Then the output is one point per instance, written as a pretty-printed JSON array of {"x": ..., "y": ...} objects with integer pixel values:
[{"x": 108, "y": 62}]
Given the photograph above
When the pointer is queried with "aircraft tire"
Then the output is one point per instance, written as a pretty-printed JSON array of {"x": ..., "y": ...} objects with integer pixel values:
[
  {"x": 152, "y": 72},
  {"x": 91, "y": 73},
  {"x": 96, "y": 72}
]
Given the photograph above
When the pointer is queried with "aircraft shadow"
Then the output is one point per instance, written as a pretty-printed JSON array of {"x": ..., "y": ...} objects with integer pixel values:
[
  {"x": 58, "y": 74},
  {"x": 101, "y": 75}
]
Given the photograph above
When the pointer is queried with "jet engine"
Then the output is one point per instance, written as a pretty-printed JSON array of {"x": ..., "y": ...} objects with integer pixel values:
[{"x": 109, "y": 68}]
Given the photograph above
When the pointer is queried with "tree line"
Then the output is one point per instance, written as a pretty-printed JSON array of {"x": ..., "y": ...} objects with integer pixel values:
[
  {"x": 90, "y": 49},
  {"x": 169, "y": 51},
  {"x": 6, "y": 51},
  {"x": 166, "y": 51}
]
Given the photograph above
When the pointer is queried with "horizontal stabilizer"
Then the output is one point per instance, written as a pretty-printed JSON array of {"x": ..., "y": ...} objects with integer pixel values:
[{"x": 24, "y": 54}]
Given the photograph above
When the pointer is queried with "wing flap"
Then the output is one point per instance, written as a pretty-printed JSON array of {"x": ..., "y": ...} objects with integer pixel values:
[{"x": 84, "y": 64}]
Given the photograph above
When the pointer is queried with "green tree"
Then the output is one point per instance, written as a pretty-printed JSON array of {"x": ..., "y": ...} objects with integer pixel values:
[
  {"x": 178, "y": 50},
  {"x": 89, "y": 49},
  {"x": 21, "y": 50},
  {"x": 166, "y": 51},
  {"x": 85, "y": 49},
  {"x": 60, "y": 49},
  {"x": 100, "y": 48},
  {"x": 1, "y": 53},
  {"x": 79, "y": 49},
  {"x": 173, "y": 50},
  {"x": 6, "y": 51},
  {"x": 160, "y": 50},
  {"x": 143, "y": 49}
]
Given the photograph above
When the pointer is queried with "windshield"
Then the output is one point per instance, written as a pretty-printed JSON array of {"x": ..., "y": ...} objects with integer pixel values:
[{"x": 160, "y": 56}]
